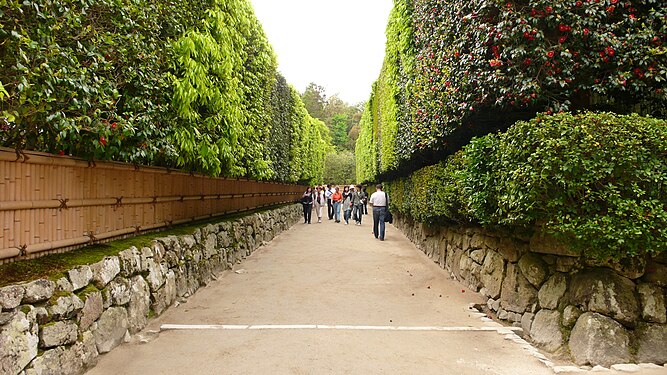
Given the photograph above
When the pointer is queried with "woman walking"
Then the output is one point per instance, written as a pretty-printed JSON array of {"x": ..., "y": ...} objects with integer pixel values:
[
  {"x": 307, "y": 202},
  {"x": 347, "y": 204},
  {"x": 358, "y": 204},
  {"x": 337, "y": 199},
  {"x": 320, "y": 201}
]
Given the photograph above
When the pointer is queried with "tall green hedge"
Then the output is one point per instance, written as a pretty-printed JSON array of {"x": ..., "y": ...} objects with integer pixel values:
[
  {"x": 473, "y": 67},
  {"x": 598, "y": 181},
  {"x": 180, "y": 84}
]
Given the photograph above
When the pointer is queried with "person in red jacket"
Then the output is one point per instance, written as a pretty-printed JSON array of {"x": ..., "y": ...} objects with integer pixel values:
[{"x": 337, "y": 199}]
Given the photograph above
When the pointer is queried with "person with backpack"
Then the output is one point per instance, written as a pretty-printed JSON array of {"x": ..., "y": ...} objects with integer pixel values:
[
  {"x": 307, "y": 202},
  {"x": 379, "y": 201}
]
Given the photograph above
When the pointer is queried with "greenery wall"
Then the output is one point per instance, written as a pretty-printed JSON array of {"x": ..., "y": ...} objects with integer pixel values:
[
  {"x": 458, "y": 69},
  {"x": 596, "y": 180},
  {"x": 186, "y": 84}
]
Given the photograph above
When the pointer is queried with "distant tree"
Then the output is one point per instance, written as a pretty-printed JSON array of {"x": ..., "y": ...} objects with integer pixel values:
[
  {"x": 340, "y": 168},
  {"x": 338, "y": 127},
  {"x": 315, "y": 100},
  {"x": 352, "y": 136}
]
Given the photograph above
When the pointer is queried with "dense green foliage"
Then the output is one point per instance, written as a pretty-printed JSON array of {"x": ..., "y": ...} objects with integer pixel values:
[
  {"x": 340, "y": 168},
  {"x": 598, "y": 181},
  {"x": 455, "y": 69},
  {"x": 186, "y": 84}
]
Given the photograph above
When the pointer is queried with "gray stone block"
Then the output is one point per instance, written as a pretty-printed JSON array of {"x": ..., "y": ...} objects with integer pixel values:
[
  {"x": 552, "y": 291},
  {"x": 104, "y": 271},
  {"x": 57, "y": 334},
  {"x": 652, "y": 301},
  {"x": 80, "y": 277},
  {"x": 545, "y": 330},
  {"x": 599, "y": 340},
  {"x": 652, "y": 343},
  {"x": 603, "y": 291},
  {"x": 111, "y": 329},
  {"x": 534, "y": 269},
  {"x": 11, "y": 296},
  {"x": 18, "y": 344},
  {"x": 38, "y": 291}
]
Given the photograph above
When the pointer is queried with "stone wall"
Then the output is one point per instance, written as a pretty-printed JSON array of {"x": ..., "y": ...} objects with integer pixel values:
[
  {"x": 598, "y": 313},
  {"x": 60, "y": 327}
]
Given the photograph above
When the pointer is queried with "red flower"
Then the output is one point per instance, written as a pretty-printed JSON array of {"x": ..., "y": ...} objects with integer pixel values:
[
  {"x": 586, "y": 31},
  {"x": 61, "y": 152},
  {"x": 614, "y": 1},
  {"x": 551, "y": 54},
  {"x": 113, "y": 125},
  {"x": 549, "y": 9},
  {"x": 495, "y": 63},
  {"x": 632, "y": 17},
  {"x": 610, "y": 51},
  {"x": 564, "y": 28},
  {"x": 611, "y": 9},
  {"x": 103, "y": 141},
  {"x": 562, "y": 39},
  {"x": 578, "y": 3},
  {"x": 527, "y": 61}
]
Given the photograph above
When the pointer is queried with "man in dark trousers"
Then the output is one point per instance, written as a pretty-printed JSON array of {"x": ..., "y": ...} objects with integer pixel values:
[
  {"x": 379, "y": 201},
  {"x": 327, "y": 195}
]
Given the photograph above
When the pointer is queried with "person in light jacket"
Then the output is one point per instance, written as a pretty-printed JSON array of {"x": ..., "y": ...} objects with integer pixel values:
[
  {"x": 357, "y": 204},
  {"x": 319, "y": 202},
  {"x": 347, "y": 204},
  {"x": 379, "y": 201}
]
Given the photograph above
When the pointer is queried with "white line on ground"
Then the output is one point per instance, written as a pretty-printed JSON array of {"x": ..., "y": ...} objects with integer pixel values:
[{"x": 329, "y": 327}]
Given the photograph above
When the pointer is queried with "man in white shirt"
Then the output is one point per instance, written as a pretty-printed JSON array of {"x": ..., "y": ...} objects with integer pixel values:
[
  {"x": 327, "y": 194},
  {"x": 379, "y": 201}
]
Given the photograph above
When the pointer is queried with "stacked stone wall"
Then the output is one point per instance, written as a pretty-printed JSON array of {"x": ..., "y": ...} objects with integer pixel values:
[
  {"x": 596, "y": 313},
  {"x": 62, "y": 326}
]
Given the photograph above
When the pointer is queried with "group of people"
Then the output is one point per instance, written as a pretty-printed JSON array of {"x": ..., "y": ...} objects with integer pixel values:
[{"x": 351, "y": 200}]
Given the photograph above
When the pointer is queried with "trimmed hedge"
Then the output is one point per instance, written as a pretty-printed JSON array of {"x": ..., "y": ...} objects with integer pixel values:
[
  {"x": 179, "y": 84},
  {"x": 473, "y": 67},
  {"x": 596, "y": 180}
]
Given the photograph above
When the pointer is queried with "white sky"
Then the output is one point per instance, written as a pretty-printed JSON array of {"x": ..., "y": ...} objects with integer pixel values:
[{"x": 338, "y": 44}]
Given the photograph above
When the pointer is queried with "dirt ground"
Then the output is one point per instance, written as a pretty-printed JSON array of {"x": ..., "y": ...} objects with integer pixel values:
[{"x": 334, "y": 275}]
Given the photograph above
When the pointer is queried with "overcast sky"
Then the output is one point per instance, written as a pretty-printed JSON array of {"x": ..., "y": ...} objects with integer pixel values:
[{"x": 338, "y": 44}]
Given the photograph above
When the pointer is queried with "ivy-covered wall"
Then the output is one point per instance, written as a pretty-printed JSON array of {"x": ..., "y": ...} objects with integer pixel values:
[
  {"x": 458, "y": 69},
  {"x": 596, "y": 181},
  {"x": 186, "y": 84}
]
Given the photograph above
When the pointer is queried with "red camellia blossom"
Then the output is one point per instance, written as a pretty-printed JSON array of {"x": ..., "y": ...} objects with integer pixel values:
[
  {"x": 562, "y": 39},
  {"x": 586, "y": 31},
  {"x": 113, "y": 125},
  {"x": 549, "y": 9},
  {"x": 578, "y": 3},
  {"x": 609, "y": 51},
  {"x": 527, "y": 61},
  {"x": 61, "y": 152},
  {"x": 551, "y": 54},
  {"x": 564, "y": 28},
  {"x": 495, "y": 63},
  {"x": 103, "y": 141}
]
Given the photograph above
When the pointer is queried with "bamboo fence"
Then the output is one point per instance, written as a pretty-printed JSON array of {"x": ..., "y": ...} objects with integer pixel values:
[{"x": 54, "y": 203}]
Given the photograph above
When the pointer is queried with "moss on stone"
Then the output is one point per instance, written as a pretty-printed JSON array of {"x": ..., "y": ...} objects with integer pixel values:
[{"x": 83, "y": 293}]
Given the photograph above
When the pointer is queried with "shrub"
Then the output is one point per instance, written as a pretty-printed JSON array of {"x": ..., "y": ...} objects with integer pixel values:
[{"x": 596, "y": 180}]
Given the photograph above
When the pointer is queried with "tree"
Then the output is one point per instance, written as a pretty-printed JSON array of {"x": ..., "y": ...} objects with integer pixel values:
[
  {"x": 338, "y": 127},
  {"x": 315, "y": 100},
  {"x": 340, "y": 168}
]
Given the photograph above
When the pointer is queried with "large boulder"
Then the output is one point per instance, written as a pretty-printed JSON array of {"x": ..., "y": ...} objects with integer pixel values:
[
  {"x": 652, "y": 343},
  {"x": 603, "y": 291},
  {"x": 130, "y": 262},
  {"x": 137, "y": 309},
  {"x": 57, "y": 334},
  {"x": 58, "y": 361},
  {"x": 544, "y": 243},
  {"x": 11, "y": 296},
  {"x": 18, "y": 344},
  {"x": 652, "y": 301},
  {"x": 570, "y": 316},
  {"x": 599, "y": 340},
  {"x": 92, "y": 310},
  {"x": 104, "y": 271},
  {"x": 65, "y": 307},
  {"x": 545, "y": 330},
  {"x": 111, "y": 329},
  {"x": 534, "y": 269},
  {"x": 210, "y": 246},
  {"x": 80, "y": 277},
  {"x": 518, "y": 294},
  {"x": 38, "y": 291},
  {"x": 656, "y": 273},
  {"x": 511, "y": 249},
  {"x": 118, "y": 291},
  {"x": 155, "y": 277},
  {"x": 493, "y": 272},
  {"x": 552, "y": 291}
]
